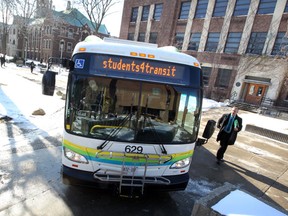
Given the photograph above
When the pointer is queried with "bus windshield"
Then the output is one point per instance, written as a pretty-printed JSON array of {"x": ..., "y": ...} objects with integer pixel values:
[{"x": 123, "y": 110}]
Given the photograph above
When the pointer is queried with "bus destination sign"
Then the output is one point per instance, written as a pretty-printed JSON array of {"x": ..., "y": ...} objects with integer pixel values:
[{"x": 144, "y": 69}]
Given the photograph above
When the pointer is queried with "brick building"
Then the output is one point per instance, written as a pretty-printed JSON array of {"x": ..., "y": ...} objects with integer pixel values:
[
  {"x": 241, "y": 44},
  {"x": 51, "y": 33}
]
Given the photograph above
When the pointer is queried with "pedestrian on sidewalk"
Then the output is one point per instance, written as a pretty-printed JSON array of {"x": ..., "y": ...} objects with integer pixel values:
[
  {"x": 2, "y": 60},
  {"x": 32, "y": 66},
  {"x": 229, "y": 124}
]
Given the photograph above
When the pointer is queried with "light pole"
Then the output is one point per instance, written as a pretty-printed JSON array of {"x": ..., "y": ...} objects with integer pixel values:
[
  {"x": 26, "y": 49},
  {"x": 61, "y": 47}
]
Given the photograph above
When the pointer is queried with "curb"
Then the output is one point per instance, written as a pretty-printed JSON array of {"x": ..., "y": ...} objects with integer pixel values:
[
  {"x": 267, "y": 133},
  {"x": 203, "y": 206}
]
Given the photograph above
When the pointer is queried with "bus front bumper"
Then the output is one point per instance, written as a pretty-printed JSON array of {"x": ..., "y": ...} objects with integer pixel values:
[{"x": 72, "y": 176}]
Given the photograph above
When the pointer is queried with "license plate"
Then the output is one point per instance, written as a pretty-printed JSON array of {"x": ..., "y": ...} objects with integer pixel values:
[{"x": 130, "y": 169}]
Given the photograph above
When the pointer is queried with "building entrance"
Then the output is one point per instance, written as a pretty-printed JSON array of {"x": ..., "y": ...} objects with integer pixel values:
[{"x": 255, "y": 93}]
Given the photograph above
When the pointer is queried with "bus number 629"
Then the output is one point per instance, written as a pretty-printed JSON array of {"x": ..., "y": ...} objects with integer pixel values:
[{"x": 134, "y": 149}]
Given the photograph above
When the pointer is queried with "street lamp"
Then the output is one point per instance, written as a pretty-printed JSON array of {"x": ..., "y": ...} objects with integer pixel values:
[
  {"x": 61, "y": 47},
  {"x": 26, "y": 49}
]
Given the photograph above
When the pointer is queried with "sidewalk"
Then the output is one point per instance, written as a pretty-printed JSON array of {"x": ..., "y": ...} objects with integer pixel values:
[{"x": 256, "y": 164}]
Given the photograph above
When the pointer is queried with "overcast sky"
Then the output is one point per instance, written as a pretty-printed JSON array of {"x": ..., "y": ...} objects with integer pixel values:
[{"x": 112, "y": 21}]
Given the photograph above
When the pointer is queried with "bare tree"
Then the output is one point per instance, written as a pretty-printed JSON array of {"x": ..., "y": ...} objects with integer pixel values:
[
  {"x": 6, "y": 8},
  {"x": 96, "y": 10},
  {"x": 25, "y": 10}
]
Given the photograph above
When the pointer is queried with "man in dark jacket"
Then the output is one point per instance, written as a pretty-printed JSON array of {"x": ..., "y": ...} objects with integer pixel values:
[
  {"x": 32, "y": 66},
  {"x": 230, "y": 124}
]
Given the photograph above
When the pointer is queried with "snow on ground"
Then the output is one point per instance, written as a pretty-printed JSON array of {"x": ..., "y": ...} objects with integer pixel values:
[
  {"x": 200, "y": 187},
  {"x": 208, "y": 104},
  {"x": 19, "y": 100}
]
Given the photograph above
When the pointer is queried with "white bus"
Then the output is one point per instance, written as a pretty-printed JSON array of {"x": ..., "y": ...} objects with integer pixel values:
[{"x": 132, "y": 115}]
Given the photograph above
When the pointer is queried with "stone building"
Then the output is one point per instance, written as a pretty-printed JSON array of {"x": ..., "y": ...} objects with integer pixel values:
[
  {"x": 241, "y": 44},
  {"x": 51, "y": 33}
]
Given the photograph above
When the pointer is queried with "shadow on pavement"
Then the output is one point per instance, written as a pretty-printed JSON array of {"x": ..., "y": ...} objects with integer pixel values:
[{"x": 204, "y": 166}]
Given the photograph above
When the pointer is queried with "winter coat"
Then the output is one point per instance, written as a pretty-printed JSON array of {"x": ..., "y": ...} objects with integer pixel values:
[{"x": 222, "y": 122}]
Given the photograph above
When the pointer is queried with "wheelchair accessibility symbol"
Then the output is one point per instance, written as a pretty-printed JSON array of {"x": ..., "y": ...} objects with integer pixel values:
[{"x": 79, "y": 63}]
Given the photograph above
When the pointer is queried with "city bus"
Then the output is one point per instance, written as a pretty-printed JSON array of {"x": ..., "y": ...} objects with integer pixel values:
[{"x": 132, "y": 115}]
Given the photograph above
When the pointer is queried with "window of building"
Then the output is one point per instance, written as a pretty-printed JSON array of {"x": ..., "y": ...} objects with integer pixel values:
[
  {"x": 70, "y": 33},
  {"x": 206, "y": 75},
  {"x": 44, "y": 44},
  {"x": 280, "y": 42},
  {"x": 266, "y": 6},
  {"x": 134, "y": 14},
  {"x": 141, "y": 37},
  {"x": 194, "y": 41},
  {"x": 158, "y": 11},
  {"x": 256, "y": 42},
  {"x": 185, "y": 8},
  {"x": 179, "y": 38},
  {"x": 69, "y": 47},
  {"x": 63, "y": 30},
  {"x": 201, "y": 8},
  {"x": 145, "y": 13},
  {"x": 220, "y": 8},
  {"x": 153, "y": 37},
  {"x": 241, "y": 7},
  {"x": 212, "y": 41},
  {"x": 223, "y": 78},
  {"x": 130, "y": 36},
  {"x": 48, "y": 30},
  {"x": 14, "y": 31},
  {"x": 233, "y": 41}
]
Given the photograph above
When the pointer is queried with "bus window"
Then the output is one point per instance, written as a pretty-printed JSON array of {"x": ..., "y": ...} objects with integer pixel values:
[{"x": 131, "y": 111}]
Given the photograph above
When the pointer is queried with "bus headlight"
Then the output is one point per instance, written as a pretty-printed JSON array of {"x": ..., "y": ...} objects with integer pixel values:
[
  {"x": 181, "y": 163},
  {"x": 71, "y": 155}
]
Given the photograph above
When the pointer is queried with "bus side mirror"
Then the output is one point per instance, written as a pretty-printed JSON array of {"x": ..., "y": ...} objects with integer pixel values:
[
  {"x": 71, "y": 65},
  {"x": 48, "y": 83},
  {"x": 207, "y": 133},
  {"x": 67, "y": 63},
  {"x": 209, "y": 129}
]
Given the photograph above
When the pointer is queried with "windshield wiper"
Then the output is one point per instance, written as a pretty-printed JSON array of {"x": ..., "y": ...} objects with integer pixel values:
[
  {"x": 147, "y": 121},
  {"x": 114, "y": 132},
  {"x": 154, "y": 131}
]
